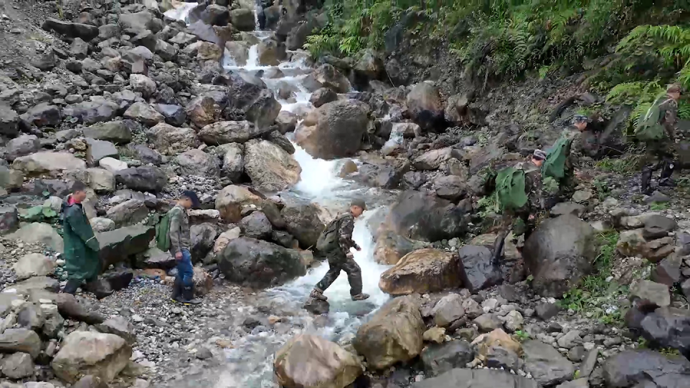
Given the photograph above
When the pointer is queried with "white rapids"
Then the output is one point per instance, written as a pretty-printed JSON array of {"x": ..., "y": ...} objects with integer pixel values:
[{"x": 250, "y": 363}]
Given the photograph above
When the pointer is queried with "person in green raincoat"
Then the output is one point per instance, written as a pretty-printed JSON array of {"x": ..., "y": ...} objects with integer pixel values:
[{"x": 82, "y": 261}]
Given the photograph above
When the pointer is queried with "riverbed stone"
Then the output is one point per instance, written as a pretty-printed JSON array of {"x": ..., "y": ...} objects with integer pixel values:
[
  {"x": 89, "y": 353},
  {"x": 422, "y": 271},
  {"x": 546, "y": 364}
]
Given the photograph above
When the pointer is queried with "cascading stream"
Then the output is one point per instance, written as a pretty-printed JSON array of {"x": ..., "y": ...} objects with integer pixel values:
[{"x": 250, "y": 362}]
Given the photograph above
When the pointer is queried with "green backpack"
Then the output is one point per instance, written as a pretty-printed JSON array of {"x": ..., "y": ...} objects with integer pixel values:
[
  {"x": 328, "y": 239},
  {"x": 510, "y": 188},
  {"x": 554, "y": 165},
  {"x": 163, "y": 233},
  {"x": 649, "y": 127}
]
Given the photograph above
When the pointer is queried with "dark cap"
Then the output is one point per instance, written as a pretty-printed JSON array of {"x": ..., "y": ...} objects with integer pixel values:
[
  {"x": 580, "y": 119},
  {"x": 192, "y": 197},
  {"x": 359, "y": 203},
  {"x": 539, "y": 154}
]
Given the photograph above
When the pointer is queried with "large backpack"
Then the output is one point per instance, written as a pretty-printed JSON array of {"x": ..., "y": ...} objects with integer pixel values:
[
  {"x": 649, "y": 126},
  {"x": 328, "y": 239},
  {"x": 510, "y": 188},
  {"x": 163, "y": 233},
  {"x": 555, "y": 164}
]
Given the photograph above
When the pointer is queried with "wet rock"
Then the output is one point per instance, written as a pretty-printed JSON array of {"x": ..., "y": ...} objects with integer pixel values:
[
  {"x": 42, "y": 115},
  {"x": 172, "y": 140},
  {"x": 114, "y": 131},
  {"x": 119, "y": 326},
  {"x": 242, "y": 19},
  {"x": 317, "y": 306},
  {"x": 546, "y": 364},
  {"x": 427, "y": 218},
  {"x": 651, "y": 292},
  {"x": 391, "y": 247},
  {"x": 303, "y": 222},
  {"x": 309, "y": 361},
  {"x": 448, "y": 310},
  {"x": 33, "y": 264},
  {"x": 17, "y": 366},
  {"x": 259, "y": 264},
  {"x": 21, "y": 146},
  {"x": 117, "y": 245},
  {"x": 479, "y": 270},
  {"x": 440, "y": 358},
  {"x": 422, "y": 271},
  {"x": 145, "y": 178},
  {"x": 286, "y": 121},
  {"x": 269, "y": 167},
  {"x": 330, "y": 78},
  {"x": 47, "y": 162},
  {"x": 559, "y": 253},
  {"x": 632, "y": 367},
  {"x": 231, "y": 199},
  {"x": 89, "y": 353},
  {"x": 20, "y": 340},
  {"x": 271, "y": 52},
  {"x": 425, "y": 105},
  {"x": 323, "y": 96},
  {"x": 143, "y": 113},
  {"x": 394, "y": 334},
  {"x": 198, "y": 163},
  {"x": 476, "y": 378},
  {"x": 334, "y": 130}
]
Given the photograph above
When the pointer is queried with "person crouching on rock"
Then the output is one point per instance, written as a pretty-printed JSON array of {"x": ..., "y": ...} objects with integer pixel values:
[
  {"x": 180, "y": 243},
  {"x": 82, "y": 261},
  {"x": 335, "y": 242}
]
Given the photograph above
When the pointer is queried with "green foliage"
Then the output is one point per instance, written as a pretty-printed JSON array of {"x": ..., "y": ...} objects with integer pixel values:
[
  {"x": 38, "y": 213},
  {"x": 602, "y": 188},
  {"x": 622, "y": 166},
  {"x": 550, "y": 185},
  {"x": 658, "y": 206},
  {"x": 521, "y": 336},
  {"x": 488, "y": 205},
  {"x": 597, "y": 294}
]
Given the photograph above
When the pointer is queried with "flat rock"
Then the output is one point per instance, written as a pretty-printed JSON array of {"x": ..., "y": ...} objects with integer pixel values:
[
  {"x": 88, "y": 353},
  {"x": 546, "y": 364},
  {"x": 476, "y": 378}
]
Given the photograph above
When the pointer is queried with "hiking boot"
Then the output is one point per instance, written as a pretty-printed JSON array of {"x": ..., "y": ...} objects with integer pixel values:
[
  {"x": 667, "y": 182},
  {"x": 71, "y": 286},
  {"x": 177, "y": 290},
  {"x": 646, "y": 181},
  {"x": 361, "y": 296},
  {"x": 188, "y": 296},
  {"x": 97, "y": 288},
  {"x": 318, "y": 294}
]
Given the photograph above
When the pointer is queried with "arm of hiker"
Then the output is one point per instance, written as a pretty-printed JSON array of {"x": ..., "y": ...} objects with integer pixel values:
[
  {"x": 345, "y": 238},
  {"x": 174, "y": 233},
  {"x": 82, "y": 228}
]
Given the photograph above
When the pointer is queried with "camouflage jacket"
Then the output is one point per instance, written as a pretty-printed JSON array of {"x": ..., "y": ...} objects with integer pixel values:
[
  {"x": 670, "y": 120},
  {"x": 179, "y": 230},
  {"x": 533, "y": 186},
  {"x": 346, "y": 227}
]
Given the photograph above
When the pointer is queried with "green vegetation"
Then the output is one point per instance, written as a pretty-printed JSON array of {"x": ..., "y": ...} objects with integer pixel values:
[
  {"x": 38, "y": 213},
  {"x": 597, "y": 293},
  {"x": 521, "y": 336},
  {"x": 628, "y": 165},
  {"x": 658, "y": 206}
]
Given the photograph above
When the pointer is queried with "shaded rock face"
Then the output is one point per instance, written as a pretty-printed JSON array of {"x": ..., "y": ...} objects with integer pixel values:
[
  {"x": 428, "y": 218},
  {"x": 559, "y": 253},
  {"x": 310, "y": 361},
  {"x": 334, "y": 130},
  {"x": 259, "y": 264},
  {"x": 394, "y": 334},
  {"x": 441, "y": 358},
  {"x": 425, "y": 106},
  {"x": 303, "y": 222},
  {"x": 479, "y": 270},
  {"x": 422, "y": 271},
  {"x": 476, "y": 378},
  {"x": 645, "y": 367}
]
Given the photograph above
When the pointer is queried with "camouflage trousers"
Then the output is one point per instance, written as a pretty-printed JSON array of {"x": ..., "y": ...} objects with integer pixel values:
[{"x": 338, "y": 262}]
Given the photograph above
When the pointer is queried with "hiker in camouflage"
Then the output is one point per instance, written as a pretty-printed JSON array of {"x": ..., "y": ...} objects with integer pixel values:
[
  {"x": 340, "y": 258},
  {"x": 660, "y": 154},
  {"x": 180, "y": 245}
]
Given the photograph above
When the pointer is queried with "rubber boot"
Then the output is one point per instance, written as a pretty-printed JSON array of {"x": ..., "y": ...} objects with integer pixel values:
[
  {"x": 646, "y": 181},
  {"x": 318, "y": 294},
  {"x": 72, "y": 286},
  {"x": 177, "y": 290},
  {"x": 188, "y": 296},
  {"x": 361, "y": 296},
  {"x": 98, "y": 289},
  {"x": 666, "y": 173}
]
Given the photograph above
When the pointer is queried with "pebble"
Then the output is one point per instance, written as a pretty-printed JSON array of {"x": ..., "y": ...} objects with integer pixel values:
[{"x": 137, "y": 318}]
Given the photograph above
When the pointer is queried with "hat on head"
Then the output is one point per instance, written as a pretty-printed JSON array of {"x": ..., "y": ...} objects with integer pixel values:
[
  {"x": 196, "y": 203},
  {"x": 580, "y": 119},
  {"x": 539, "y": 154},
  {"x": 359, "y": 203},
  {"x": 673, "y": 88}
]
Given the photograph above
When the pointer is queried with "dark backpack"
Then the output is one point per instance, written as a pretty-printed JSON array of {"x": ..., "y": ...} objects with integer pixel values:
[
  {"x": 649, "y": 126},
  {"x": 328, "y": 239}
]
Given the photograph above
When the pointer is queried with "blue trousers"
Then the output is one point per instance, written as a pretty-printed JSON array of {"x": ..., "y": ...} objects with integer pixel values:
[{"x": 185, "y": 270}]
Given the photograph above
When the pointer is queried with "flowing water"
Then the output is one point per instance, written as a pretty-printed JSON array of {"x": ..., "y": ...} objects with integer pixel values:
[{"x": 250, "y": 363}]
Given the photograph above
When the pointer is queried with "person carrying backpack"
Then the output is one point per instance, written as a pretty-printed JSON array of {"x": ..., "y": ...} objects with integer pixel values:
[
  {"x": 657, "y": 129},
  {"x": 335, "y": 242},
  {"x": 179, "y": 244}
]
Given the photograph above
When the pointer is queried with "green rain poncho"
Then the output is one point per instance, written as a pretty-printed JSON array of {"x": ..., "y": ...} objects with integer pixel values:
[{"x": 81, "y": 246}]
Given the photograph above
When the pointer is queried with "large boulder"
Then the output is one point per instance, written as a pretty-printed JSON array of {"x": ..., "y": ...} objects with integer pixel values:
[
  {"x": 433, "y": 159},
  {"x": 335, "y": 130},
  {"x": 203, "y": 238},
  {"x": 419, "y": 216},
  {"x": 667, "y": 327},
  {"x": 144, "y": 113},
  {"x": 145, "y": 178},
  {"x": 476, "y": 378},
  {"x": 546, "y": 364},
  {"x": 330, "y": 78},
  {"x": 119, "y": 244},
  {"x": 202, "y": 111},
  {"x": 199, "y": 163},
  {"x": 256, "y": 225},
  {"x": 303, "y": 222},
  {"x": 9, "y": 121},
  {"x": 479, "y": 271},
  {"x": 233, "y": 161},
  {"x": 646, "y": 368},
  {"x": 39, "y": 233},
  {"x": 393, "y": 335},
  {"x": 42, "y": 115},
  {"x": 115, "y": 131},
  {"x": 91, "y": 112},
  {"x": 308, "y": 361},
  {"x": 223, "y": 132},
  {"x": 129, "y": 212},
  {"x": 86, "y": 32},
  {"x": 440, "y": 358},
  {"x": 47, "y": 162},
  {"x": 242, "y": 19},
  {"x": 20, "y": 340},
  {"x": 270, "y": 167},
  {"x": 21, "y": 146},
  {"x": 231, "y": 199},
  {"x": 425, "y": 105},
  {"x": 259, "y": 264},
  {"x": 33, "y": 264},
  {"x": 422, "y": 271},
  {"x": 172, "y": 140},
  {"x": 99, "y": 149},
  {"x": 89, "y": 353},
  {"x": 559, "y": 253},
  {"x": 391, "y": 247}
]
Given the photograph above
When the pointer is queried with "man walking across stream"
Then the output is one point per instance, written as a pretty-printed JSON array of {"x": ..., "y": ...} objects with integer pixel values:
[{"x": 335, "y": 243}]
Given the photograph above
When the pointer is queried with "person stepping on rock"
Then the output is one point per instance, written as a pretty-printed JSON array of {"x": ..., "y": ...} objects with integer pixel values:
[{"x": 335, "y": 243}]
